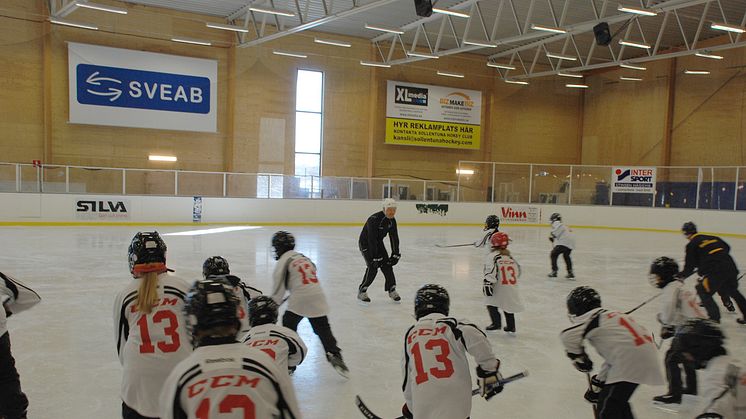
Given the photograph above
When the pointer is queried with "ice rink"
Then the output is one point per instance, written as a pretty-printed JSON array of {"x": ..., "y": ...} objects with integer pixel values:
[{"x": 65, "y": 347}]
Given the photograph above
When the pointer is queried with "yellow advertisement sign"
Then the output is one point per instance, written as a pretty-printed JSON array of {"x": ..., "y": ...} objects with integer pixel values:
[{"x": 432, "y": 133}]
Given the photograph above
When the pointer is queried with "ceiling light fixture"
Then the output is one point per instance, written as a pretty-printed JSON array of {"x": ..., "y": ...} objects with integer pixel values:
[
  {"x": 707, "y": 55},
  {"x": 225, "y": 27},
  {"x": 270, "y": 11},
  {"x": 634, "y": 44},
  {"x": 192, "y": 41},
  {"x": 503, "y": 66},
  {"x": 637, "y": 10},
  {"x": 632, "y": 67},
  {"x": 464, "y": 171},
  {"x": 577, "y": 86},
  {"x": 332, "y": 42},
  {"x": 450, "y": 12},
  {"x": 289, "y": 54},
  {"x": 727, "y": 27},
  {"x": 154, "y": 157},
  {"x": 517, "y": 82},
  {"x": 383, "y": 29},
  {"x": 374, "y": 64},
  {"x": 73, "y": 24},
  {"x": 697, "y": 72},
  {"x": 561, "y": 56},
  {"x": 630, "y": 78},
  {"x": 101, "y": 7},
  {"x": 563, "y": 74},
  {"x": 484, "y": 44},
  {"x": 421, "y": 55},
  {"x": 547, "y": 28},
  {"x": 447, "y": 74}
]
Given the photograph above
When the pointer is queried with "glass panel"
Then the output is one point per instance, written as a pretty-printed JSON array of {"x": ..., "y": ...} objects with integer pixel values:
[
  {"x": 741, "y": 197},
  {"x": 103, "y": 181},
  {"x": 675, "y": 188},
  {"x": 298, "y": 186},
  {"x": 440, "y": 190},
  {"x": 309, "y": 91},
  {"x": 7, "y": 177},
  {"x": 475, "y": 181},
  {"x": 200, "y": 184},
  {"x": 335, "y": 188},
  {"x": 551, "y": 184},
  {"x": 717, "y": 187},
  {"x": 511, "y": 182},
  {"x": 241, "y": 186},
  {"x": 29, "y": 178},
  {"x": 276, "y": 186},
  {"x": 54, "y": 179},
  {"x": 150, "y": 182},
  {"x": 404, "y": 190},
  {"x": 307, "y": 132},
  {"x": 307, "y": 164},
  {"x": 590, "y": 185}
]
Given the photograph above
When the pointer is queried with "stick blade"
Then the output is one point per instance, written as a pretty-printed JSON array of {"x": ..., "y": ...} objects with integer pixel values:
[{"x": 364, "y": 409}]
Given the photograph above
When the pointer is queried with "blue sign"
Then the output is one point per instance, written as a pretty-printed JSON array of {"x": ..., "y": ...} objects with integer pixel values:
[{"x": 126, "y": 88}]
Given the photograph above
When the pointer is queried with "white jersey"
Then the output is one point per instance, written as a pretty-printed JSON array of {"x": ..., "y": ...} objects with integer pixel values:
[
  {"x": 503, "y": 271},
  {"x": 678, "y": 304},
  {"x": 16, "y": 296},
  {"x": 723, "y": 388},
  {"x": 562, "y": 235},
  {"x": 279, "y": 342},
  {"x": 150, "y": 345},
  {"x": 627, "y": 348},
  {"x": 437, "y": 380},
  {"x": 296, "y": 274},
  {"x": 228, "y": 381},
  {"x": 485, "y": 240}
]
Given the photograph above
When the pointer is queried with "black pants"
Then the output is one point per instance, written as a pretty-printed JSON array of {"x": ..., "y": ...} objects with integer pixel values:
[
  {"x": 320, "y": 326},
  {"x": 725, "y": 284},
  {"x": 130, "y": 413},
  {"x": 565, "y": 252},
  {"x": 370, "y": 272},
  {"x": 674, "y": 358},
  {"x": 13, "y": 403},
  {"x": 613, "y": 402},
  {"x": 497, "y": 320}
]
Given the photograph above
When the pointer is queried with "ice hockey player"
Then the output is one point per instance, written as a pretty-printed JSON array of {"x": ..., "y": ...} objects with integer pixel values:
[
  {"x": 279, "y": 342},
  {"x": 723, "y": 382},
  {"x": 630, "y": 356},
  {"x": 374, "y": 252},
  {"x": 500, "y": 284},
  {"x": 223, "y": 377},
  {"x": 218, "y": 266},
  {"x": 437, "y": 380},
  {"x": 296, "y": 275},
  {"x": 14, "y": 298},
  {"x": 678, "y": 304},
  {"x": 491, "y": 226},
  {"x": 564, "y": 243},
  {"x": 710, "y": 256},
  {"x": 150, "y": 325}
]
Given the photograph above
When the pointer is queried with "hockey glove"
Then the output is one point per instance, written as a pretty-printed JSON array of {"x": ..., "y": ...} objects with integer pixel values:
[
  {"x": 581, "y": 362},
  {"x": 551, "y": 239},
  {"x": 667, "y": 332},
  {"x": 394, "y": 259},
  {"x": 488, "y": 288},
  {"x": 376, "y": 263},
  {"x": 591, "y": 395},
  {"x": 405, "y": 412},
  {"x": 489, "y": 383}
]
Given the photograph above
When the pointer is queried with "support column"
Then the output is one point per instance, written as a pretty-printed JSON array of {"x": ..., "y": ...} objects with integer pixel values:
[
  {"x": 47, "y": 91},
  {"x": 230, "y": 137},
  {"x": 668, "y": 134}
]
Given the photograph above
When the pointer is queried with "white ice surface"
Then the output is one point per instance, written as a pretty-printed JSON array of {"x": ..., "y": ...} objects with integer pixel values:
[{"x": 66, "y": 354}]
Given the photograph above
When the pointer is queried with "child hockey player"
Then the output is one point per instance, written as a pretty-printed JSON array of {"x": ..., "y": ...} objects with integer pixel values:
[
  {"x": 500, "y": 285},
  {"x": 564, "y": 243},
  {"x": 279, "y": 342},
  {"x": 218, "y": 266},
  {"x": 491, "y": 226}
]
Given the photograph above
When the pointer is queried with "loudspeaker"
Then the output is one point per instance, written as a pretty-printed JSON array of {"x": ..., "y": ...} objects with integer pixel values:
[
  {"x": 603, "y": 34},
  {"x": 424, "y": 8}
]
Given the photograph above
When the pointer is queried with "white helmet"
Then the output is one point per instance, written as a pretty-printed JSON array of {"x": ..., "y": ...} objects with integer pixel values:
[{"x": 389, "y": 203}]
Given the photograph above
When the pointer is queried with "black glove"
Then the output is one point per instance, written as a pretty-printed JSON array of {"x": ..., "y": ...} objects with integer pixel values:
[
  {"x": 405, "y": 412},
  {"x": 591, "y": 395},
  {"x": 376, "y": 263},
  {"x": 488, "y": 288},
  {"x": 394, "y": 259},
  {"x": 551, "y": 239},
  {"x": 581, "y": 362},
  {"x": 489, "y": 382},
  {"x": 668, "y": 332}
]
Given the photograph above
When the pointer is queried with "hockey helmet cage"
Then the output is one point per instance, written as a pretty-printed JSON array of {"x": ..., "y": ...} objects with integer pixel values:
[
  {"x": 147, "y": 253},
  {"x": 499, "y": 240},
  {"x": 689, "y": 228},
  {"x": 492, "y": 222},
  {"x": 555, "y": 217},
  {"x": 662, "y": 271},
  {"x": 210, "y": 303},
  {"x": 431, "y": 298},
  {"x": 702, "y": 338},
  {"x": 582, "y": 300},
  {"x": 282, "y": 241},
  {"x": 262, "y": 310},
  {"x": 215, "y": 265}
]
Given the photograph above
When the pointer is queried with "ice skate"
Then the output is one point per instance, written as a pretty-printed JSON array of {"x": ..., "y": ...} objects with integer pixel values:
[
  {"x": 362, "y": 297},
  {"x": 338, "y": 364},
  {"x": 394, "y": 296}
]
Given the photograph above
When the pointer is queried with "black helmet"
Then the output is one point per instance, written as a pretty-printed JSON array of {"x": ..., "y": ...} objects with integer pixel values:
[
  {"x": 215, "y": 265},
  {"x": 555, "y": 217},
  {"x": 147, "y": 253},
  {"x": 210, "y": 303},
  {"x": 662, "y": 271},
  {"x": 689, "y": 228},
  {"x": 262, "y": 310},
  {"x": 701, "y": 338},
  {"x": 582, "y": 300},
  {"x": 492, "y": 222},
  {"x": 431, "y": 298},
  {"x": 282, "y": 241}
]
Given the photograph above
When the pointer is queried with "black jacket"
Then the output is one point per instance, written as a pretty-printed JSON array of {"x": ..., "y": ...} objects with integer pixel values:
[
  {"x": 374, "y": 231},
  {"x": 708, "y": 254}
]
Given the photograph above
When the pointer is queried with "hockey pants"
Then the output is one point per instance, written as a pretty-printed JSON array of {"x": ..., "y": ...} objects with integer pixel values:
[
  {"x": 613, "y": 401},
  {"x": 13, "y": 403},
  {"x": 130, "y": 413},
  {"x": 674, "y": 358},
  {"x": 726, "y": 286},
  {"x": 371, "y": 272},
  {"x": 320, "y": 326},
  {"x": 565, "y": 252},
  {"x": 497, "y": 320}
]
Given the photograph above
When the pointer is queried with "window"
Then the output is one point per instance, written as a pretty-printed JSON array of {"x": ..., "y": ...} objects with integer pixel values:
[{"x": 309, "y": 113}]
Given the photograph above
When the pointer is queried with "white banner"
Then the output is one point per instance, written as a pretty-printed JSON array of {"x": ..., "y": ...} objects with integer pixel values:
[
  {"x": 127, "y": 88},
  {"x": 520, "y": 214},
  {"x": 633, "y": 179}
]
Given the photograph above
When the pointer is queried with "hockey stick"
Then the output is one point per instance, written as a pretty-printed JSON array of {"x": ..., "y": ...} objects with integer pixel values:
[
  {"x": 454, "y": 245},
  {"x": 643, "y": 303},
  {"x": 590, "y": 387},
  {"x": 370, "y": 415}
]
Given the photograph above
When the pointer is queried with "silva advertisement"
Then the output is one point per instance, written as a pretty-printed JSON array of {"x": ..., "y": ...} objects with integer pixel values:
[
  {"x": 432, "y": 116},
  {"x": 112, "y": 86},
  {"x": 633, "y": 179}
]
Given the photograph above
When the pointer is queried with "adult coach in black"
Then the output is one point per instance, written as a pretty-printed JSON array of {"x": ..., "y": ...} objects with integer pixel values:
[
  {"x": 710, "y": 255},
  {"x": 371, "y": 246}
]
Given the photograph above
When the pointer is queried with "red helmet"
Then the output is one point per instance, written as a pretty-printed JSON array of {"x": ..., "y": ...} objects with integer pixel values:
[{"x": 499, "y": 240}]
